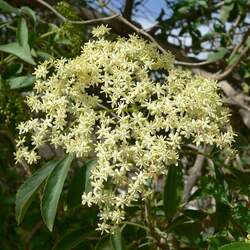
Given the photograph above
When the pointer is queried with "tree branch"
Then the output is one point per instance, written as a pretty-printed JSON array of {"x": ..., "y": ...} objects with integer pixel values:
[
  {"x": 141, "y": 31},
  {"x": 230, "y": 68},
  {"x": 236, "y": 49},
  {"x": 128, "y": 9},
  {"x": 192, "y": 63},
  {"x": 48, "y": 6},
  {"x": 194, "y": 173}
]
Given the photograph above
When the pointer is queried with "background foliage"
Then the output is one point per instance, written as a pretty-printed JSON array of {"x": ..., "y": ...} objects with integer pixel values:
[{"x": 208, "y": 37}]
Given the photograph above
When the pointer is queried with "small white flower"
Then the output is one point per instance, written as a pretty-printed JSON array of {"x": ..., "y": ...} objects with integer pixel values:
[
  {"x": 108, "y": 103},
  {"x": 100, "y": 30}
]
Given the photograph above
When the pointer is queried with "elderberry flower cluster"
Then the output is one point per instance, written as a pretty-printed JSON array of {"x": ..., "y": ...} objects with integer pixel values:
[{"x": 125, "y": 102}]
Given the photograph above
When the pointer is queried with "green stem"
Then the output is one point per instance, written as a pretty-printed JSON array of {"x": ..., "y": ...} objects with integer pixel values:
[{"x": 136, "y": 225}]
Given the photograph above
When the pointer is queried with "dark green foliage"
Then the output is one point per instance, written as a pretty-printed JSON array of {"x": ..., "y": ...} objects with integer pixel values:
[
  {"x": 80, "y": 183},
  {"x": 236, "y": 246},
  {"x": 173, "y": 191},
  {"x": 30, "y": 187},
  {"x": 53, "y": 189}
]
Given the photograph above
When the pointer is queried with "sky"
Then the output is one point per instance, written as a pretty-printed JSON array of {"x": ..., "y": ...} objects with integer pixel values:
[
  {"x": 147, "y": 12},
  {"x": 153, "y": 7}
]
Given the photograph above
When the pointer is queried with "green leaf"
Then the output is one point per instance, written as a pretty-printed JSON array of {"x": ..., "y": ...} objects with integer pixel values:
[
  {"x": 22, "y": 32},
  {"x": 12, "y": 69},
  {"x": 203, "y": 4},
  {"x": 29, "y": 189},
  {"x": 116, "y": 239},
  {"x": 29, "y": 12},
  {"x": 178, "y": 221},
  {"x": 225, "y": 12},
  {"x": 221, "y": 191},
  {"x": 195, "y": 214},
  {"x": 79, "y": 184},
  {"x": 246, "y": 74},
  {"x": 173, "y": 191},
  {"x": 21, "y": 82},
  {"x": 43, "y": 55},
  {"x": 236, "y": 246},
  {"x": 233, "y": 59},
  {"x": 53, "y": 189},
  {"x": 23, "y": 52},
  {"x": 4, "y": 6},
  {"x": 89, "y": 165},
  {"x": 183, "y": 10},
  {"x": 215, "y": 56},
  {"x": 77, "y": 187}
]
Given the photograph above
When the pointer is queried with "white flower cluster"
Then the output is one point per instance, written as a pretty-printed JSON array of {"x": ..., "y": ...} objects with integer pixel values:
[{"x": 126, "y": 102}]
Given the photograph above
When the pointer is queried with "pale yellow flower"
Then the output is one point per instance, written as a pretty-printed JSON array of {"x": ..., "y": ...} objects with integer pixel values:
[{"x": 110, "y": 102}]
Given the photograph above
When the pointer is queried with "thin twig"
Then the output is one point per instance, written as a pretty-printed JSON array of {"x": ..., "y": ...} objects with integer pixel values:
[
  {"x": 240, "y": 44},
  {"x": 235, "y": 103},
  {"x": 10, "y": 137},
  {"x": 97, "y": 20},
  {"x": 136, "y": 225},
  {"x": 52, "y": 9},
  {"x": 155, "y": 233},
  {"x": 219, "y": 4},
  {"x": 236, "y": 23},
  {"x": 237, "y": 49},
  {"x": 35, "y": 229},
  {"x": 192, "y": 63},
  {"x": 229, "y": 69},
  {"x": 64, "y": 19},
  {"x": 105, "y": 108},
  {"x": 136, "y": 29},
  {"x": 26, "y": 168},
  {"x": 194, "y": 174},
  {"x": 142, "y": 32}
]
